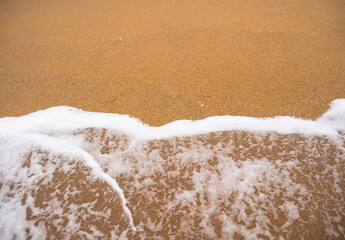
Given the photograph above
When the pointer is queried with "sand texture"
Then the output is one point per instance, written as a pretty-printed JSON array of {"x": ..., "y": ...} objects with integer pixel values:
[
  {"x": 161, "y": 61},
  {"x": 165, "y": 60},
  {"x": 223, "y": 185},
  {"x": 71, "y": 174}
]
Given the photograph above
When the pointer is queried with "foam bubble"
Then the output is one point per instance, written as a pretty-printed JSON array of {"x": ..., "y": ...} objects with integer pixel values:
[
  {"x": 72, "y": 118},
  {"x": 67, "y": 173}
]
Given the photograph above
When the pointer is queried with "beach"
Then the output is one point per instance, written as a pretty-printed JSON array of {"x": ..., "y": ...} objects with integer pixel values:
[
  {"x": 67, "y": 173},
  {"x": 172, "y": 119},
  {"x": 161, "y": 61}
]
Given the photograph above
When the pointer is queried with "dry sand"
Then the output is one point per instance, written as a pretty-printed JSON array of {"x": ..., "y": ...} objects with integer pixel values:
[{"x": 165, "y": 60}]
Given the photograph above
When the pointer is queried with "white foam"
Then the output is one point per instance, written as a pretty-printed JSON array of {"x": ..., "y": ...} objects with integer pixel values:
[
  {"x": 12, "y": 149},
  {"x": 53, "y": 129},
  {"x": 57, "y": 118},
  {"x": 335, "y": 116}
]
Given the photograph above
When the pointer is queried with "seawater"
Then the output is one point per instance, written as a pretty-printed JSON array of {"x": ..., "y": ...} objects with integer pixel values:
[{"x": 66, "y": 174}]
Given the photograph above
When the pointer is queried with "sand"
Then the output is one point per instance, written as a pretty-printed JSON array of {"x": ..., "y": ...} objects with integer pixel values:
[
  {"x": 220, "y": 185},
  {"x": 166, "y": 60}
]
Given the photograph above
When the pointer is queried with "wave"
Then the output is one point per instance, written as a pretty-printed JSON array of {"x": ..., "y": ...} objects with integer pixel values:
[{"x": 68, "y": 173}]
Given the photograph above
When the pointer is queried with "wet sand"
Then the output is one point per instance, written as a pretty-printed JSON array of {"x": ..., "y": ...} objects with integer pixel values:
[
  {"x": 220, "y": 185},
  {"x": 166, "y": 60}
]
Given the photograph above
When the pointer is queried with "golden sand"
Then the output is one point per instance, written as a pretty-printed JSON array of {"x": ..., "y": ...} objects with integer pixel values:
[{"x": 165, "y": 60}]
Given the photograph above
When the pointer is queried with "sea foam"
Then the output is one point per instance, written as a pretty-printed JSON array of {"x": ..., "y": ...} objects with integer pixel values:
[{"x": 68, "y": 173}]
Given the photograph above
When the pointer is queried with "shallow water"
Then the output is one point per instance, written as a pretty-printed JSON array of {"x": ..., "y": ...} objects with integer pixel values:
[{"x": 67, "y": 173}]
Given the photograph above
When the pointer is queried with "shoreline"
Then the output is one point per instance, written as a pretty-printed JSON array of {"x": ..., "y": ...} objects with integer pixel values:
[
  {"x": 329, "y": 124},
  {"x": 227, "y": 184}
]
